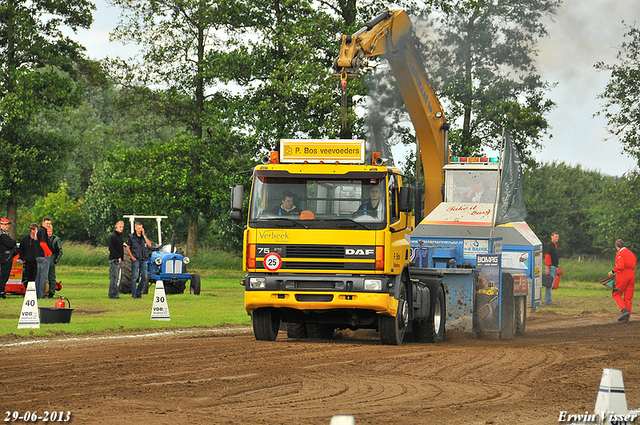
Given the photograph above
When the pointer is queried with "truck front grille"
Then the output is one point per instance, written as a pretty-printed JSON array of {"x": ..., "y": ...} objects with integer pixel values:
[
  {"x": 314, "y": 298},
  {"x": 314, "y": 251}
]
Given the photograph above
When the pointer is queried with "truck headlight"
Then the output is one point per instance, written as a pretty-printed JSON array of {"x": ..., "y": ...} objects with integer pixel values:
[
  {"x": 257, "y": 282},
  {"x": 372, "y": 285},
  {"x": 158, "y": 261},
  {"x": 186, "y": 260}
]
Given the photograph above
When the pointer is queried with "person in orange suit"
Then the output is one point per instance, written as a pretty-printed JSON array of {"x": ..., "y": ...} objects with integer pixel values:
[{"x": 625, "y": 274}]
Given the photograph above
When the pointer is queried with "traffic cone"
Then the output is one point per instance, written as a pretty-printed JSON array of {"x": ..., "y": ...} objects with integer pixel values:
[
  {"x": 29, "y": 317},
  {"x": 342, "y": 420},
  {"x": 611, "y": 399},
  {"x": 160, "y": 309}
]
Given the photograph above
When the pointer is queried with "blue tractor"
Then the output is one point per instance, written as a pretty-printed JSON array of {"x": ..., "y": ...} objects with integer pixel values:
[
  {"x": 167, "y": 264},
  {"x": 170, "y": 266}
]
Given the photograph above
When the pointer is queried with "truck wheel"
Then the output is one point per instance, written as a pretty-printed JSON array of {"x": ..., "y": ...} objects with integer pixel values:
[
  {"x": 392, "y": 329},
  {"x": 432, "y": 329},
  {"x": 320, "y": 331},
  {"x": 194, "y": 287},
  {"x": 125, "y": 275},
  {"x": 509, "y": 322},
  {"x": 266, "y": 324},
  {"x": 521, "y": 314},
  {"x": 296, "y": 330}
]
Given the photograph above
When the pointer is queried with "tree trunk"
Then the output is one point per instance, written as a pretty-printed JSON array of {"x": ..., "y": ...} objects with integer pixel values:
[
  {"x": 12, "y": 215},
  {"x": 192, "y": 238}
]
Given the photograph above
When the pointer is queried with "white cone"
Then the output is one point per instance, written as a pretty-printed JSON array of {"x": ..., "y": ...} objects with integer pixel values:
[
  {"x": 342, "y": 420},
  {"x": 29, "y": 316},
  {"x": 611, "y": 399},
  {"x": 160, "y": 309}
]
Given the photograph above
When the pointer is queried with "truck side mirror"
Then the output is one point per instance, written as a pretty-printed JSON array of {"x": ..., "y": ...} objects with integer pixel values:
[
  {"x": 237, "y": 198},
  {"x": 404, "y": 200}
]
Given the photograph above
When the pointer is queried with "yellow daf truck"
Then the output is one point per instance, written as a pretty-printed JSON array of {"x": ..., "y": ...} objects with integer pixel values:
[{"x": 327, "y": 246}]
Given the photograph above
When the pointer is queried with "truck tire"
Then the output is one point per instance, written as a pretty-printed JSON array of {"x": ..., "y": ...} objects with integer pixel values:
[
  {"x": 392, "y": 329},
  {"x": 320, "y": 331},
  {"x": 266, "y": 324},
  {"x": 125, "y": 275},
  {"x": 521, "y": 315},
  {"x": 296, "y": 330},
  {"x": 433, "y": 328},
  {"x": 194, "y": 286},
  {"x": 508, "y": 308},
  {"x": 509, "y": 330}
]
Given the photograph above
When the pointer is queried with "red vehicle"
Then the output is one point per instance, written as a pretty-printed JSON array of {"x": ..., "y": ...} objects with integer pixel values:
[{"x": 14, "y": 284}]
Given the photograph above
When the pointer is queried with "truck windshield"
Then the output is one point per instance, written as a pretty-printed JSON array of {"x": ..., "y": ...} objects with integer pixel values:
[
  {"x": 319, "y": 202},
  {"x": 479, "y": 186}
]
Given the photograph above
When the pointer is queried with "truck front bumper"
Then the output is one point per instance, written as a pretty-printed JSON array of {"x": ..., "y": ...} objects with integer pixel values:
[{"x": 321, "y": 292}]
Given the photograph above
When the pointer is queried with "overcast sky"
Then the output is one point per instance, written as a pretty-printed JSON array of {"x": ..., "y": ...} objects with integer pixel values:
[{"x": 581, "y": 34}]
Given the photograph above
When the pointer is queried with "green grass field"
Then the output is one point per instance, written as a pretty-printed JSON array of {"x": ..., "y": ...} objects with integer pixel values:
[
  {"x": 221, "y": 299},
  {"x": 220, "y": 303}
]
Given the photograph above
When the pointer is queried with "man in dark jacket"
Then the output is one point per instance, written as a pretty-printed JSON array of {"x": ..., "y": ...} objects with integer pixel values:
[
  {"x": 137, "y": 248},
  {"x": 28, "y": 252},
  {"x": 116, "y": 253},
  {"x": 7, "y": 246},
  {"x": 55, "y": 244},
  {"x": 42, "y": 258},
  {"x": 551, "y": 258}
]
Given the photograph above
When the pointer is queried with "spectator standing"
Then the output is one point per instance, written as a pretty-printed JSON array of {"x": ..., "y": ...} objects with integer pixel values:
[
  {"x": 116, "y": 254},
  {"x": 55, "y": 244},
  {"x": 137, "y": 248},
  {"x": 7, "y": 247},
  {"x": 42, "y": 258},
  {"x": 28, "y": 251},
  {"x": 624, "y": 271},
  {"x": 551, "y": 263}
]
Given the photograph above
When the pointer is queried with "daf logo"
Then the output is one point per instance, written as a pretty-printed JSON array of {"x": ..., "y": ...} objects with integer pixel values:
[{"x": 363, "y": 252}]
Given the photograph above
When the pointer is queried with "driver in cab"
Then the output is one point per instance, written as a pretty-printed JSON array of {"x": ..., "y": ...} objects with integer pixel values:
[
  {"x": 287, "y": 207},
  {"x": 373, "y": 206}
]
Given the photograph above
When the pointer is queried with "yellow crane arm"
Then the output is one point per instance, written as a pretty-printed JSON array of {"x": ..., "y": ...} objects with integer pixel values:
[{"x": 389, "y": 34}]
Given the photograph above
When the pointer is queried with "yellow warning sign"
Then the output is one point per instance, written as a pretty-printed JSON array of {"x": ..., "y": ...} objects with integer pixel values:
[{"x": 329, "y": 150}]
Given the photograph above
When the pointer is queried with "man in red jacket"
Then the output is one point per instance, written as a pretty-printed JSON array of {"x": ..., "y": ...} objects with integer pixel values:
[{"x": 625, "y": 280}]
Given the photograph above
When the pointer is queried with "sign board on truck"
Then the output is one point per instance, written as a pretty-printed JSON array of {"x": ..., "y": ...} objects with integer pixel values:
[{"x": 315, "y": 151}]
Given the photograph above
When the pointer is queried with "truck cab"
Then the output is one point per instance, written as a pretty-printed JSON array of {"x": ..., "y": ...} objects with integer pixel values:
[{"x": 327, "y": 242}]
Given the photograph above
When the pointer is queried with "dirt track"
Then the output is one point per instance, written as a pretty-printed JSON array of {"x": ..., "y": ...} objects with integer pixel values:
[{"x": 229, "y": 378}]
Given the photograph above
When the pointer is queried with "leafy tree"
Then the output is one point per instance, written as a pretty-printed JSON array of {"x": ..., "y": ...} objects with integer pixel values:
[
  {"x": 616, "y": 215},
  {"x": 622, "y": 93},
  {"x": 64, "y": 211},
  {"x": 285, "y": 70},
  {"x": 482, "y": 61},
  {"x": 99, "y": 211},
  {"x": 37, "y": 69},
  {"x": 103, "y": 122},
  {"x": 560, "y": 198},
  {"x": 179, "y": 40},
  {"x": 173, "y": 178}
]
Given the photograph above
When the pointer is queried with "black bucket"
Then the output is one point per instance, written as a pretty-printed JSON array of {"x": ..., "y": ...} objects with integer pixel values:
[{"x": 55, "y": 315}]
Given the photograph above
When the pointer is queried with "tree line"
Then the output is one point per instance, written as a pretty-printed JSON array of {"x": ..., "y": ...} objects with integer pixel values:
[{"x": 218, "y": 83}]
